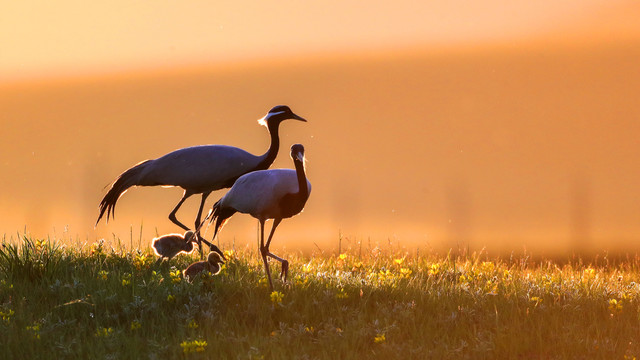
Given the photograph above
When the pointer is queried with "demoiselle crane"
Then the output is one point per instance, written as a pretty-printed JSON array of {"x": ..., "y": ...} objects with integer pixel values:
[
  {"x": 198, "y": 170},
  {"x": 170, "y": 245},
  {"x": 267, "y": 194}
]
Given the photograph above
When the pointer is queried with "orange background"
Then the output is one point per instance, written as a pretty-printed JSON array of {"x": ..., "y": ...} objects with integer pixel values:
[{"x": 501, "y": 125}]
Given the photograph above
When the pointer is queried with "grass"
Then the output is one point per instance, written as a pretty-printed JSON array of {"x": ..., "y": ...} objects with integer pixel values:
[{"x": 98, "y": 302}]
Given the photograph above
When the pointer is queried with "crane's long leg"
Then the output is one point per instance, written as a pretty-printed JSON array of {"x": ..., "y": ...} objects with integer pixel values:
[
  {"x": 285, "y": 263},
  {"x": 197, "y": 224},
  {"x": 276, "y": 222},
  {"x": 172, "y": 215},
  {"x": 264, "y": 251}
]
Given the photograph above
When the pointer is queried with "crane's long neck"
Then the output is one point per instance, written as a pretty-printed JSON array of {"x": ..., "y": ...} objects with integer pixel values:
[
  {"x": 303, "y": 189},
  {"x": 268, "y": 157}
]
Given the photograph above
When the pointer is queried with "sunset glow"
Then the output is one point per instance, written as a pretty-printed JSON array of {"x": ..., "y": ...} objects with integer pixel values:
[
  {"x": 499, "y": 124},
  {"x": 70, "y": 38}
]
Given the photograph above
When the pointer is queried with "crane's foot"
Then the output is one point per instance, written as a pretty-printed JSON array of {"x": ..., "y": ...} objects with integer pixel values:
[{"x": 285, "y": 270}]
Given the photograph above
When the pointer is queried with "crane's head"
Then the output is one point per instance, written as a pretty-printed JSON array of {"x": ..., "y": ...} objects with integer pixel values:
[
  {"x": 278, "y": 114},
  {"x": 297, "y": 152}
]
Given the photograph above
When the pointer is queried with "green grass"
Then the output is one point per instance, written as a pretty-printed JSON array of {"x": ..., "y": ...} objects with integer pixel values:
[{"x": 96, "y": 302}]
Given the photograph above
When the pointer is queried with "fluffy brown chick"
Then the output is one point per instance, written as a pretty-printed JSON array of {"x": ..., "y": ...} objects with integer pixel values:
[
  {"x": 212, "y": 265},
  {"x": 170, "y": 245}
]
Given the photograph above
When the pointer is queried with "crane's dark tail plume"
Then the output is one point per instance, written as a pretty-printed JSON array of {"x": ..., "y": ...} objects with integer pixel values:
[
  {"x": 126, "y": 180},
  {"x": 220, "y": 215}
]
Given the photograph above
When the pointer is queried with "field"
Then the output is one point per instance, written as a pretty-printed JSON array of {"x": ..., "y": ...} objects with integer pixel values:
[{"x": 95, "y": 301}]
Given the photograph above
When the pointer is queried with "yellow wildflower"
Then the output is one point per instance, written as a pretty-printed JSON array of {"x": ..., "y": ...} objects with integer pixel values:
[
  {"x": 171, "y": 298},
  {"x": 309, "y": 329},
  {"x": 277, "y": 297},
  {"x": 6, "y": 315},
  {"x": 357, "y": 266},
  {"x": 40, "y": 244},
  {"x": 176, "y": 276},
  {"x": 379, "y": 339},
  {"x": 98, "y": 248},
  {"x": 615, "y": 305},
  {"x": 135, "y": 325},
  {"x": 398, "y": 261},
  {"x": 35, "y": 330},
  {"x": 342, "y": 294},
  {"x": 192, "y": 324},
  {"x": 103, "y": 275},
  {"x": 104, "y": 332},
  {"x": 140, "y": 261},
  {"x": 589, "y": 273},
  {"x": 405, "y": 272},
  {"x": 307, "y": 268},
  {"x": 434, "y": 269},
  {"x": 300, "y": 281},
  {"x": 383, "y": 275},
  {"x": 193, "y": 346},
  {"x": 487, "y": 267},
  {"x": 126, "y": 279},
  {"x": 343, "y": 256}
]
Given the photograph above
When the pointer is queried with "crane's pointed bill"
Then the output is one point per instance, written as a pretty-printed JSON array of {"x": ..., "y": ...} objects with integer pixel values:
[{"x": 296, "y": 117}]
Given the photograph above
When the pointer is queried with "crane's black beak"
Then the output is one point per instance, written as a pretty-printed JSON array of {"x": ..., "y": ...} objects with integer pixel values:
[{"x": 296, "y": 117}]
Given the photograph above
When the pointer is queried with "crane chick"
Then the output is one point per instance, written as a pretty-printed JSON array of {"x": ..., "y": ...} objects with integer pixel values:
[
  {"x": 212, "y": 265},
  {"x": 170, "y": 245}
]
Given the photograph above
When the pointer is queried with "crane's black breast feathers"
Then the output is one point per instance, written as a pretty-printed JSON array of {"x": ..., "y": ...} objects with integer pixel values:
[{"x": 292, "y": 204}]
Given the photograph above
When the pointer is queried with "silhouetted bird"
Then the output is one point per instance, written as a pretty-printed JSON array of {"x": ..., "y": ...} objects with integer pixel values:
[{"x": 268, "y": 194}]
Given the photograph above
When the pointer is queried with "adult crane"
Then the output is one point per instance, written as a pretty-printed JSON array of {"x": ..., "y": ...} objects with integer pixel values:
[
  {"x": 268, "y": 194},
  {"x": 198, "y": 170}
]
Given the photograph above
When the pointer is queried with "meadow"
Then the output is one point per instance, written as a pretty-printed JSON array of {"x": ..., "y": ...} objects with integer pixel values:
[{"x": 98, "y": 301}]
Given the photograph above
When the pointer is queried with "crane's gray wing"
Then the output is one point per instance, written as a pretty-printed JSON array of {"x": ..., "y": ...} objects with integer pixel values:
[
  {"x": 258, "y": 193},
  {"x": 200, "y": 168}
]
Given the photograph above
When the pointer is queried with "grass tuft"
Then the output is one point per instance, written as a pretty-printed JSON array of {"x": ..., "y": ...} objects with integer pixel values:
[{"x": 34, "y": 260}]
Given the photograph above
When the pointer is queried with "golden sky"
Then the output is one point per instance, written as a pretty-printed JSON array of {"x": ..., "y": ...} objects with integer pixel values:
[
  {"x": 511, "y": 123},
  {"x": 73, "y": 37}
]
